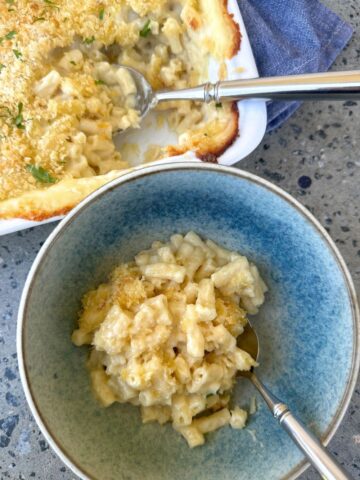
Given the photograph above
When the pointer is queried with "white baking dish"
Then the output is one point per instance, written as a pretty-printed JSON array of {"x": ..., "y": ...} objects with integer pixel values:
[{"x": 252, "y": 121}]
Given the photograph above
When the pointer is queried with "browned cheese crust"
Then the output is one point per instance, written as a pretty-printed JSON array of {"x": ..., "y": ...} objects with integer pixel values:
[
  {"x": 208, "y": 146},
  {"x": 38, "y": 132}
]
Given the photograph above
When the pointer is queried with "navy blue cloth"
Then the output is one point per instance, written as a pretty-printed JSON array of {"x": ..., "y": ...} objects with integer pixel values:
[{"x": 290, "y": 37}]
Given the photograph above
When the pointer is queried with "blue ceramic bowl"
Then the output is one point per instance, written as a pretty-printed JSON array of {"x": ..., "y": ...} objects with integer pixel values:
[{"x": 308, "y": 326}]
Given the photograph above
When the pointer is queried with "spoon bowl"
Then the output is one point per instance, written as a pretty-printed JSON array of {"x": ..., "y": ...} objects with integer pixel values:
[
  {"x": 324, "y": 463},
  {"x": 145, "y": 98},
  {"x": 311, "y": 299},
  {"x": 249, "y": 342},
  {"x": 316, "y": 86}
]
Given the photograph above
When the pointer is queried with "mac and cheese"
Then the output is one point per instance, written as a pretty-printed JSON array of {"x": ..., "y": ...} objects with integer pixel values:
[
  {"x": 163, "y": 333},
  {"x": 62, "y": 99}
]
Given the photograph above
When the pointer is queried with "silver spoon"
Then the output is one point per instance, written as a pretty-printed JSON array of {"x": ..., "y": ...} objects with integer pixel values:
[
  {"x": 319, "y": 457},
  {"x": 317, "y": 86}
]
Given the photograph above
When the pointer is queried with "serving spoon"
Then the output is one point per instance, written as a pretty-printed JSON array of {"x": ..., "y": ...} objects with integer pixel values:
[
  {"x": 318, "y": 456},
  {"x": 315, "y": 86}
]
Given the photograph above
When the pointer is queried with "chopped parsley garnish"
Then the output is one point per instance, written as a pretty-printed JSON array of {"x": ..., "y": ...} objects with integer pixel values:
[
  {"x": 144, "y": 32},
  {"x": 90, "y": 40},
  {"x": 10, "y": 35},
  {"x": 51, "y": 4},
  {"x": 39, "y": 19},
  {"x": 99, "y": 82},
  {"x": 40, "y": 174},
  {"x": 19, "y": 119},
  {"x": 218, "y": 105},
  {"x": 72, "y": 62},
  {"x": 16, "y": 119},
  {"x": 17, "y": 54},
  {"x": 101, "y": 13},
  {"x": 2, "y": 66}
]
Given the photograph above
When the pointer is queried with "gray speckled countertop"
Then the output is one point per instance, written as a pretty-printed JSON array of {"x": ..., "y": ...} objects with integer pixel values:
[{"x": 315, "y": 157}]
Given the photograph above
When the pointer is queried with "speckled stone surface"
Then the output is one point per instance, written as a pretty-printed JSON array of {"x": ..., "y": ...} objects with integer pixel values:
[{"x": 314, "y": 157}]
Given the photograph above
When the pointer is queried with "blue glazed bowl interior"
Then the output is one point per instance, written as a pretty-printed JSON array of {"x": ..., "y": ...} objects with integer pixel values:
[{"x": 306, "y": 326}]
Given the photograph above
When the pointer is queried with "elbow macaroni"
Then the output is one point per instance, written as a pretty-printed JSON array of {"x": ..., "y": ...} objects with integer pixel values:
[
  {"x": 60, "y": 78},
  {"x": 163, "y": 335},
  {"x": 107, "y": 94}
]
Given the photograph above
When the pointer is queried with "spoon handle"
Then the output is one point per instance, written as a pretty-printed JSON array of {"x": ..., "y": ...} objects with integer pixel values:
[
  {"x": 319, "y": 457},
  {"x": 314, "y": 86}
]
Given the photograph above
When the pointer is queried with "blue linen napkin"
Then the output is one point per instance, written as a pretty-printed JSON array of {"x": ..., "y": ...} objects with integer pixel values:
[{"x": 290, "y": 37}]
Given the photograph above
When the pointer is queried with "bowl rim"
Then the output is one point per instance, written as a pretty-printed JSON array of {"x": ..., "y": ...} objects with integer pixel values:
[{"x": 151, "y": 170}]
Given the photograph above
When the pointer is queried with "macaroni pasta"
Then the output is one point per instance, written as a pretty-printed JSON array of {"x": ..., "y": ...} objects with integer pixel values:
[
  {"x": 62, "y": 95},
  {"x": 163, "y": 333}
]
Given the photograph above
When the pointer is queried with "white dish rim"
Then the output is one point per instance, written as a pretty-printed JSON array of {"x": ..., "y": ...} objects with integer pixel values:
[{"x": 243, "y": 145}]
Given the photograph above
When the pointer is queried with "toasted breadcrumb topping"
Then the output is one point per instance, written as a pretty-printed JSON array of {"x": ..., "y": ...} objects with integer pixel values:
[{"x": 58, "y": 115}]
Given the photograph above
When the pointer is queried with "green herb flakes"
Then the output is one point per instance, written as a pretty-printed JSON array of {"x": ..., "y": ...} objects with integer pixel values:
[
  {"x": 10, "y": 35},
  {"x": 40, "y": 174},
  {"x": 144, "y": 32},
  {"x": 99, "y": 82},
  {"x": 101, "y": 13},
  {"x": 19, "y": 119},
  {"x": 51, "y": 4},
  {"x": 17, "y": 54},
  {"x": 90, "y": 40}
]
